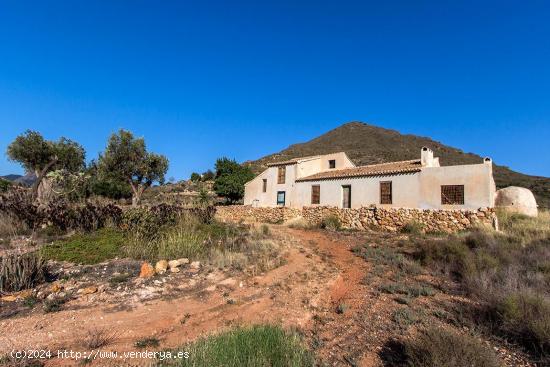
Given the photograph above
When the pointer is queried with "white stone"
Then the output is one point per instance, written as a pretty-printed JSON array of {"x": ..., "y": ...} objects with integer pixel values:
[
  {"x": 173, "y": 264},
  {"x": 161, "y": 266}
]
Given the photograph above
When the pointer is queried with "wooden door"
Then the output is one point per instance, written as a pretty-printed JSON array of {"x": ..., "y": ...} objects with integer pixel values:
[{"x": 346, "y": 196}]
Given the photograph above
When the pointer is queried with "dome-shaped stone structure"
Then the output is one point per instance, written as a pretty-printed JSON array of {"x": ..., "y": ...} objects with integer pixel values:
[{"x": 517, "y": 200}]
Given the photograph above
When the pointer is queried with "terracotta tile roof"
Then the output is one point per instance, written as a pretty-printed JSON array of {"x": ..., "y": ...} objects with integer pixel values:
[
  {"x": 382, "y": 169},
  {"x": 291, "y": 161}
]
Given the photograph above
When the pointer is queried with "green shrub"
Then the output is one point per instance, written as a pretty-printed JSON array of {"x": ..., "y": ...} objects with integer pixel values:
[
  {"x": 261, "y": 345},
  {"x": 110, "y": 188},
  {"x": 54, "y": 304},
  {"x": 265, "y": 230},
  {"x": 19, "y": 272},
  {"x": 527, "y": 317},
  {"x": 141, "y": 222},
  {"x": 404, "y": 317},
  {"x": 30, "y": 301},
  {"x": 342, "y": 308},
  {"x": 451, "y": 255},
  {"x": 186, "y": 239},
  {"x": 4, "y": 185},
  {"x": 221, "y": 244},
  {"x": 147, "y": 342},
  {"x": 436, "y": 347},
  {"x": 393, "y": 288},
  {"x": 148, "y": 223},
  {"x": 382, "y": 255},
  {"x": 331, "y": 222},
  {"x": 403, "y": 300},
  {"x": 86, "y": 248},
  {"x": 411, "y": 291},
  {"x": 388, "y": 256},
  {"x": 413, "y": 227},
  {"x": 420, "y": 290}
]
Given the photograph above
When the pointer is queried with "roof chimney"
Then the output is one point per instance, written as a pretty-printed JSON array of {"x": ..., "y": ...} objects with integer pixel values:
[
  {"x": 427, "y": 157},
  {"x": 487, "y": 160}
]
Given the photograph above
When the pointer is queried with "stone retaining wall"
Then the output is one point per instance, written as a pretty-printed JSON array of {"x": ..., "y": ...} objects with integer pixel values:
[
  {"x": 391, "y": 219},
  {"x": 245, "y": 213}
]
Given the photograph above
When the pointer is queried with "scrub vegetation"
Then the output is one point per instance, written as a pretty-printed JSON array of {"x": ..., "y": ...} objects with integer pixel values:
[
  {"x": 258, "y": 345},
  {"x": 508, "y": 272}
]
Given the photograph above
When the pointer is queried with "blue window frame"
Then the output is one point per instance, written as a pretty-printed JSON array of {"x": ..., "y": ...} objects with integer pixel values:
[{"x": 281, "y": 198}]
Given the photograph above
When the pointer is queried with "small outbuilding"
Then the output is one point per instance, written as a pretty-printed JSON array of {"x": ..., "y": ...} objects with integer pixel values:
[{"x": 517, "y": 200}]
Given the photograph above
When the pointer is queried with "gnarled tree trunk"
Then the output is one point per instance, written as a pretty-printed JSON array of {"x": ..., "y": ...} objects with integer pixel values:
[
  {"x": 45, "y": 192},
  {"x": 137, "y": 191},
  {"x": 38, "y": 192}
]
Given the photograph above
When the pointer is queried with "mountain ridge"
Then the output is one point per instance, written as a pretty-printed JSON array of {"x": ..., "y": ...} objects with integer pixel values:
[
  {"x": 369, "y": 144},
  {"x": 26, "y": 180}
]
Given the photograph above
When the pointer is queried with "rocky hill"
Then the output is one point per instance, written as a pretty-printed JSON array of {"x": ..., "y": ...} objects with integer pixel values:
[{"x": 368, "y": 144}]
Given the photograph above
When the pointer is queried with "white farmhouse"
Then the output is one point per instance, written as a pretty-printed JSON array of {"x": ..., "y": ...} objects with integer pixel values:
[{"x": 334, "y": 180}]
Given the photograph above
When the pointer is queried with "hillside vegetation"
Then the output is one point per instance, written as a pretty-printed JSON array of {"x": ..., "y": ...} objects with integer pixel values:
[{"x": 367, "y": 144}]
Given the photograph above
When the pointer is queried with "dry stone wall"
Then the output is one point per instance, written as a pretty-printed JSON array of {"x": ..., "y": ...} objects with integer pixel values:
[
  {"x": 387, "y": 219},
  {"x": 245, "y": 213}
]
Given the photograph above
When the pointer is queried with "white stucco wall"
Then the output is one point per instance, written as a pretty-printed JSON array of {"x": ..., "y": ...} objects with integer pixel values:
[
  {"x": 311, "y": 166},
  {"x": 253, "y": 194},
  {"x": 253, "y": 189},
  {"x": 365, "y": 191},
  {"x": 479, "y": 186}
]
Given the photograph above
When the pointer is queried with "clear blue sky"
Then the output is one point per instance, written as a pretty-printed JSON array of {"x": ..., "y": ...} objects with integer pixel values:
[{"x": 204, "y": 79}]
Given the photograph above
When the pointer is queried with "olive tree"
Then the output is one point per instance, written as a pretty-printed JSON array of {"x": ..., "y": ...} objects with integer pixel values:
[
  {"x": 126, "y": 158},
  {"x": 42, "y": 157}
]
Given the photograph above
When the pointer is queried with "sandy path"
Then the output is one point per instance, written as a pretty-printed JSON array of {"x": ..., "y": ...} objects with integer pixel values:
[{"x": 343, "y": 337}]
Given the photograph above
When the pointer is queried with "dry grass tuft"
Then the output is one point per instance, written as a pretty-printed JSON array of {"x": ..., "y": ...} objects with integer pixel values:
[
  {"x": 442, "y": 348},
  {"x": 99, "y": 337},
  {"x": 298, "y": 223},
  {"x": 10, "y": 227},
  {"x": 19, "y": 272}
]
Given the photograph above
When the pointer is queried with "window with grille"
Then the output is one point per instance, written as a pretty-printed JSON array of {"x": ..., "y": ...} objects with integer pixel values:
[
  {"x": 264, "y": 185},
  {"x": 281, "y": 175},
  {"x": 385, "y": 192},
  {"x": 315, "y": 194},
  {"x": 332, "y": 163},
  {"x": 452, "y": 194}
]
